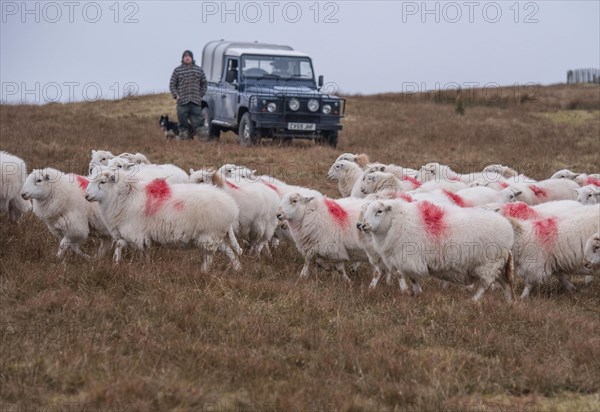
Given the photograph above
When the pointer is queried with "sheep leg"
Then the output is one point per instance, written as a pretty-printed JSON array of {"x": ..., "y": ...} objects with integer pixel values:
[
  {"x": 526, "y": 291},
  {"x": 402, "y": 283},
  {"x": 119, "y": 245},
  {"x": 62, "y": 248},
  {"x": 587, "y": 280},
  {"x": 564, "y": 279},
  {"x": 417, "y": 290},
  {"x": 223, "y": 247},
  {"x": 233, "y": 240},
  {"x": 207, "y": 262},
  {"x": 306, "y": 268},
  {"x": 340, "y": 267},
  {"x": 354, "y": 267},
  {"x": 103, "y": 248},
  {"x": 75, "y": 248},
  {"x": 376, "y": 276}
]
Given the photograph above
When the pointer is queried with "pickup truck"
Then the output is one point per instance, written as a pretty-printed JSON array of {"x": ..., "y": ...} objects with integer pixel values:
[{"x": 260, "y": 90}]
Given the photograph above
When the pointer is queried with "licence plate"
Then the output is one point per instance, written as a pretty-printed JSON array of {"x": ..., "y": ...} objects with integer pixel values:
[{"x": 302, "y": 126}]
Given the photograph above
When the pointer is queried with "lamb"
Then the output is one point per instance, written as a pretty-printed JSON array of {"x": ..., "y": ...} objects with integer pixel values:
[
  {"x": 379, "y": 181},
  {"x": 59, "y": 201},
  {"x": 592, "y": 252},
  {"x": 581, "y": 179},
  {"x": 453, "y": 244},
  {"x": 324, "y": 230},
  {"x": 588, "y": 195},
  {"x": 553, "y": 246},
  {"x": 348, "y": 175},
  {"x": 546, "y": 190},
  {"x": 145, "y": 172},
  {"x": 13, "y": 172},
  {"x": 156, "y": 212},
  {"x": 257, "y": 205}
]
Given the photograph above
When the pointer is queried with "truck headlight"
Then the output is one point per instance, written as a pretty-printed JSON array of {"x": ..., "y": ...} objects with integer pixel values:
[
  {"x": 271, "y": 107},
  {"x": 294, "y": 104},
  {"x": 326, "y": 109},
  {"x": 313, "y": 105}
]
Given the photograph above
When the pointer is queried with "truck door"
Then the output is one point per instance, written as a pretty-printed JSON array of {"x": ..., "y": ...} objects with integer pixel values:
[{"x": 226, "y": 105}]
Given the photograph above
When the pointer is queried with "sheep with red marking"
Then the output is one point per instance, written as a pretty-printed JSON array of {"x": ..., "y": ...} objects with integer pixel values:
[
  {"x": 379, "y": 181},
  {"x": 182, "y": 215},
  {"x": 588, "y": 195},
  {"x": 257, "y": 204},
  {"x": 348, "y": 175},
  {"x": 553, "y": 246},
  {"x": 523, "y": 211},
  {"x": 148, "y": 172},
  {"x": 591, "y": 253},
  {"x": 59, "y": 201},
  {"x": 324, "y": 230},
  {"x": 13, "y": 172},
  {"x": 450, "y": 243},
  {"x": 582, "y": 179},
  {"x": 546, "y": 191}
]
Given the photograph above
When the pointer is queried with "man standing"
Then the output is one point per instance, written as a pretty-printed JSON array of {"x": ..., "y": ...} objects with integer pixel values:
[{"x": 187, "y": 86}]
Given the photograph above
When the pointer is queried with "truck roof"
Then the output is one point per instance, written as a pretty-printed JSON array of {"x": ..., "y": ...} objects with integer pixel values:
[{"x": 213, "y": 54}]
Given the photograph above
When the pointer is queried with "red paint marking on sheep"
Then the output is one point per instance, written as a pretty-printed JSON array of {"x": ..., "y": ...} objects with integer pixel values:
[
  {"x": 337, "y": 212},
  {"x": 433, "y": 218},
  {"x": 231, "y": 185},
  {"x": 454, "y": 179},
  {"x": 503, "y": 185},
  {"x": 416, "y": 184},
  {"x": 520, "y": 210},
  {"x": 157, "y": 193},
  {"x": 456, "y": 199},
  {"x": 538, "y": 191},
  {"x": 179, "y": 205},
  {"x": 83, "y": 182},
  {"x": 546, "y": 231},
  {"x": 270, "y": 186},
  {"x": 405, "y": 196},
  {"x": 592, "y": 181}
]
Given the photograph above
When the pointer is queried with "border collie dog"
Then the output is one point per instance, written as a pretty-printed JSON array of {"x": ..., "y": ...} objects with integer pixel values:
[{"x": 170, "y": 129}]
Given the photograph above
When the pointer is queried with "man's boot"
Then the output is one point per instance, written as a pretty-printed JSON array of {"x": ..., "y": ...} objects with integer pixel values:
[{"x": 183, "y": 135}]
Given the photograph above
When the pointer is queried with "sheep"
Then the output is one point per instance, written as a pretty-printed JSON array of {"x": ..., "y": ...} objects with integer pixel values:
[
  {"x": 348, "y": 175},
  {"x": 454, "y": 244},
  {"x": 438, "y": 172},
  {"x": 546, "y": 190},
  {"x": 145, "y": 172},
  {"x": 507, "y": 173},
  {"x": 99, "y": 158},
  {"x": 156, "y": 212},
  {"x": 324, "y": 230},
  {"x": 137, "y": 158},
  {"x": 592, "y": 252},
  {"x": 377, "y": 181},
  {"x": 523, "y": 211},
  {"x": 553, "y": 246},
  {"x": 362, "y": 160},
  {"x": 581, "y": 179},
  {"x": 588, "y": 195},
  {"x": 257, "y": 204},
  {"x": 475, "y": 196},
  {"x": 13, "y": 172},
  {"x": 402, "y": 173},
  {"x": 59, "y": 201},
  {"x": 434, "y": 185}
]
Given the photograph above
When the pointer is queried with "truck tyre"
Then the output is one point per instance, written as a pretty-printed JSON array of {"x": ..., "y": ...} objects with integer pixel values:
[
  {"x": 209, "y": 130},
  {"x": 247, "y": 132}
]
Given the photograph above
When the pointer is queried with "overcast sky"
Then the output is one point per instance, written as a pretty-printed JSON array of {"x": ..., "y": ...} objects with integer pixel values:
[{"x": 72, "y": 50}]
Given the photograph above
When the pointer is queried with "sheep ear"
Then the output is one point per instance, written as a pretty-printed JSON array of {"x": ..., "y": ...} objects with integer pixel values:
[
  {"x": 113, "y": 178},
  {"x": 93, "y": 151},
  {"x": 253, "y": 171},
  {"x": 518, "y": 193},
  {"x": 191, "y": 171},
  {"x": 211, "y": 169},
  {"x": 388, "y": 208},
  {"x": 47, "y": 177},
  {"x": 308, "y": 199}
]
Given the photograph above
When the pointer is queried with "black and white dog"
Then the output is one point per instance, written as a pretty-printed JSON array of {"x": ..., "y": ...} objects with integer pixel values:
[{"x": 170, "y": 129}]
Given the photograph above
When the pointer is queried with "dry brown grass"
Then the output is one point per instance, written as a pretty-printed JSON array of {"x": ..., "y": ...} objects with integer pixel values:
[{"x": 160, "y": 335}]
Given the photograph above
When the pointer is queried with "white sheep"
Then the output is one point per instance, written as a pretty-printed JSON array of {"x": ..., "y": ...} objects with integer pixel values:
[
  {"x": 13, "y": 172},
  {"x": 588, "y": 195},
  {"x": 102, "y": 158},
  {"x": 523, "y": 211},
  {"x": 146, "y": 172},
  {"x": 546, "y": 190},
  {"x": 348, "y": 175},
  {"x": 402, "y": 173},
  {"x": 324, "y": 230},
  {"x": 511, "y": 175},
  {"x": 379, "y": 181},
  {"x": 582, "y": 179},
  {"x": 59, "y": 201},
  {"x": 592, "y": 252},
  {"x": 257, "y": 204},
  {"x": 156, "y": 212},
  {"x": 454, "y": 244},
  {"x": 438, "y": 172},
  {"x": 553, "y": 246},
  {"x": 362, "y": 160}
]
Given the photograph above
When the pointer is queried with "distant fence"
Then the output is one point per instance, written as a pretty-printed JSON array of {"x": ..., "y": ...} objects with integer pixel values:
[{"x": 583, "y": 76}]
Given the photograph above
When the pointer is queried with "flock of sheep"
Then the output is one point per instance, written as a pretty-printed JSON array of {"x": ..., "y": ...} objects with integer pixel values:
[{"x": 479, "y": 229}]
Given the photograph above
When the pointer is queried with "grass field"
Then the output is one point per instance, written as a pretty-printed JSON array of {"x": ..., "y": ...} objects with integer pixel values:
[{"x": 161, "y": 335}]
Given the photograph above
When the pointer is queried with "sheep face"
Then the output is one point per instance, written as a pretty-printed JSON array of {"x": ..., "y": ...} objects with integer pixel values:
[
  {"x": 202, "y": 176},
  {"x": 510, "y": 195},
  {"x": 588, "y": 195},
  {"x": 377, "y": 218},
  {"x": 293, "y": 206},
  {"x": 369, "y": 183},
  {"x": 118, "y": 163},
  {"x": 99, "y": 158},
  {"x": 97, "y": 189},
  {"x": 592, "y": 252},
  {"x": 137, "y": 158},
  {"x": 337, "y": 170},
  {"x": 38, "y": 184},
  {"x": 377, "y": 167},
  {"x": 564, "y": 174},
  {"x": 349, "y": 157}
]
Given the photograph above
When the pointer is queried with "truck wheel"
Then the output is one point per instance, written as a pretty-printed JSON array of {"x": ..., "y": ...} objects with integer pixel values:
[
  {"x": 209, "y": 130},
  {"x": 247, "y": 132}
]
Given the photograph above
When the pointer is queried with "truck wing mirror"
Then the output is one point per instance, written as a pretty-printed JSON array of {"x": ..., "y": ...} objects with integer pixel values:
[{"x": 320, "y": 83}]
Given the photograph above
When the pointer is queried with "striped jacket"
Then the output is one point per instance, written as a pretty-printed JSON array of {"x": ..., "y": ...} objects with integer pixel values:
[{"x": 189, "y": 83}]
